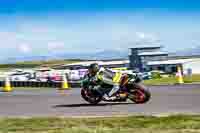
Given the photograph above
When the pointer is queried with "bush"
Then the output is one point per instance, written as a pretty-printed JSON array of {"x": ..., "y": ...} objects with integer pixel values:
[{"x": 155, "y": 75}]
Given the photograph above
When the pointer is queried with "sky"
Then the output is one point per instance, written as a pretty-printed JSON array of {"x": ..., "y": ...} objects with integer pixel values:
[{"x": 41, "y": 27}]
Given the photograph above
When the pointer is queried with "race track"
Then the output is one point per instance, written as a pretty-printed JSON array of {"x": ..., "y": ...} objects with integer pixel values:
[{"x": 51, "y": 102}]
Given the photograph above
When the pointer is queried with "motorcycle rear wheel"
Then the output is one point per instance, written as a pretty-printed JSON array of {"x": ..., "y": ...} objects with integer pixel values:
[{"x": 139, "y": 94}]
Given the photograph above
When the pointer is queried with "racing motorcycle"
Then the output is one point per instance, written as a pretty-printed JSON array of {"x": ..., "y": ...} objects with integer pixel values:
[{"x": 130, "y": 88}]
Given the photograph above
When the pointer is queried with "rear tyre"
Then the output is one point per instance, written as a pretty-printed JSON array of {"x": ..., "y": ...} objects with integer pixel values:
[{"x": 139, "y": 94}]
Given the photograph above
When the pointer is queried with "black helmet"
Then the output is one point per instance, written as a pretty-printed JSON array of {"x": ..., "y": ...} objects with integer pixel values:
[{"x": 93, "y": 68}]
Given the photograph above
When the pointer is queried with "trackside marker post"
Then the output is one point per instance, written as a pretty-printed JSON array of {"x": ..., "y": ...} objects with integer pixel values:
[
  {"x": 179, "y": 75},
  {"x": 65, "y": 84},
  {"x": 7, "y": 87}
]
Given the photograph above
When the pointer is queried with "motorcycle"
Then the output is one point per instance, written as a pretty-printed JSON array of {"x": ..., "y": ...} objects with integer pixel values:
[{"x": 130, "y": 88}]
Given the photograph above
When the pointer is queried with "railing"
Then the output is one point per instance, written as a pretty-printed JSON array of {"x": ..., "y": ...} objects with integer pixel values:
[{"x": 39, "y": 84}]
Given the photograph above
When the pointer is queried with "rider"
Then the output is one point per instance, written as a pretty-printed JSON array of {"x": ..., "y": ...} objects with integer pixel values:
[{"x": 106, "y": 76}]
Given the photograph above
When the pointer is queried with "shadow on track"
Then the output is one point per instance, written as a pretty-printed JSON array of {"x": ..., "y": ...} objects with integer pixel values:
[{"x": 88, "y": 105}]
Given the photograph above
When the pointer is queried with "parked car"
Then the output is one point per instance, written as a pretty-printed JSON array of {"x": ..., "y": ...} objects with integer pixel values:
[
  {"x": 146, "y": 75},
  {"x": 20, "y": 76}
]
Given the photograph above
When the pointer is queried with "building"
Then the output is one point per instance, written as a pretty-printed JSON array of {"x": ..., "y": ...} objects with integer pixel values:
[
  {"x": 170, "y": 66},
  {"x": 140, "y": 56}
]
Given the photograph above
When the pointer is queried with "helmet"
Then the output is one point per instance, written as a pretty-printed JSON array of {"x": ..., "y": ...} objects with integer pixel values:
[{"x": 93, "y": 68}]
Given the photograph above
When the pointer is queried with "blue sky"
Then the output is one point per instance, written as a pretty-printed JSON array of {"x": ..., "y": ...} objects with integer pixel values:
[{"x": 40, "y": 27}]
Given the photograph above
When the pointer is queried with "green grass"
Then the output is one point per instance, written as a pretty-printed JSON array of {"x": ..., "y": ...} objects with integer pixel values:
[
  {"x": 132, "y": 124},
  {"x": 172, "y": 80},
  {"x": 194, "y": 78}
]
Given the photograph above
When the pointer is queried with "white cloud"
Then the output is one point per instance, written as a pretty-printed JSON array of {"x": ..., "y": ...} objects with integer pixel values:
[
  {"x": 24, "y": 48},
  {"x": 84, "y": 37},
  {"x": 56, "y": 46},
  {"x": 140, "y": 35},
  {"x": 90, "y": 35},
  {"x": 146, "y": 36}
]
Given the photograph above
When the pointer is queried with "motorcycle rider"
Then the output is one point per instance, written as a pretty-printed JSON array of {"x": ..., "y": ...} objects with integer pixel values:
[{"x": 106, "y": 76}]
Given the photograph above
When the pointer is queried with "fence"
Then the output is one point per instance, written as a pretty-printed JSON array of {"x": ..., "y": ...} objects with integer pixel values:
[{"x": 39, "y": 84}]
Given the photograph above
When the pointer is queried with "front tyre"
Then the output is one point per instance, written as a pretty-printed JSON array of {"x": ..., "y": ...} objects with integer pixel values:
[
  {"x": 90, "y": 97},
  {"x": 139, "y": 94}
]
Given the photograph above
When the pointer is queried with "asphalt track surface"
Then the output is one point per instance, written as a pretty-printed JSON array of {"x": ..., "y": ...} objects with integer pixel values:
[{"x": 51, "y": 102}]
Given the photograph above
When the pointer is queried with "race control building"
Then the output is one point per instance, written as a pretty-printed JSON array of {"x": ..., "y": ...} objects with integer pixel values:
[{"x": 140, "y": 56}]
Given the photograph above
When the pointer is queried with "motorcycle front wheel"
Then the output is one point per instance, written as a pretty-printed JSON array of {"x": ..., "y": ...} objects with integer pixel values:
[{"x": 90, "y": 97}]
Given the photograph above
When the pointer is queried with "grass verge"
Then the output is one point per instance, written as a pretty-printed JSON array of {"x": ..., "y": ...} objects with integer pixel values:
[
  {"x": 132, "y": 124},
  {"x": 172, "y": 80}
]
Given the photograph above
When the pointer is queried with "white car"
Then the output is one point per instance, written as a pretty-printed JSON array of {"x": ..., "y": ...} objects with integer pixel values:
[
  {"x": 77, "y": 74},
  {"x": 74, "y": 75},
  {"x": 20, "y": 77}
]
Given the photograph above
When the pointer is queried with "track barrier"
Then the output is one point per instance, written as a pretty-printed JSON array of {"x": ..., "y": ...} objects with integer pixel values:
[{"x": 9, "y": 85}]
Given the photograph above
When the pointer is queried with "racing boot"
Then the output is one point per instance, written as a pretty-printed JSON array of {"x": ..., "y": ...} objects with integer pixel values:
[
  {"x": 114, "y": 90},
  {"x": 107, "y": 98},
  {"x": 110, "y": 96}
]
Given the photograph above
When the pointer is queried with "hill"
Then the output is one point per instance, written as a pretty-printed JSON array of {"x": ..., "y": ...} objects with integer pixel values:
[
  {"x": 102, "y": 55},
  {"x": 33, "y": 64},
  {"x": 188, "y": 52}
]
